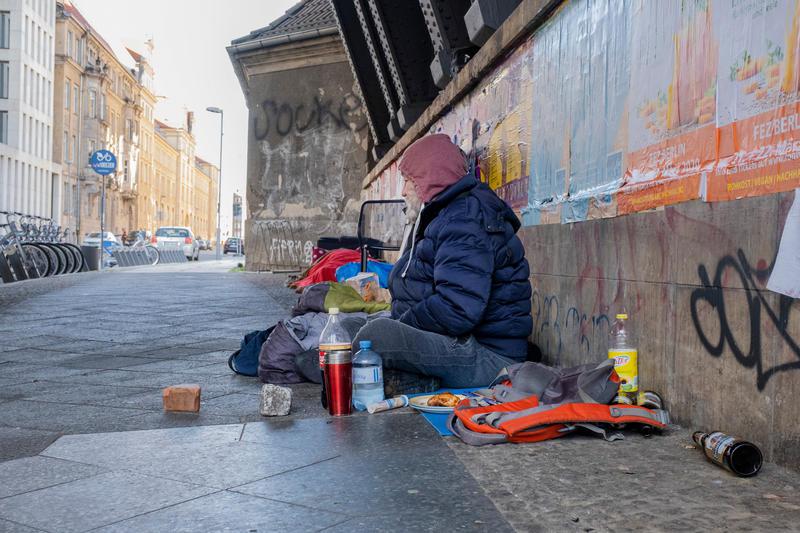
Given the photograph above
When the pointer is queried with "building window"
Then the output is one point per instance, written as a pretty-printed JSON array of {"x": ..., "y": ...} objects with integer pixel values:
[
  {"x": 5, "y": 29},
  {"x": 69, "y": 43},
  {"x": 4, "y": 79},
  {"x": 76, "y": 91},
  {"x": 4, "y": 127},
  {"x": 92, "y": 146},
  {"x": 92, "y": 103},
  {"x": 74, "y": 147},
  {"x": 65, "y": 146},
  {"x": 67, "y": 97}
]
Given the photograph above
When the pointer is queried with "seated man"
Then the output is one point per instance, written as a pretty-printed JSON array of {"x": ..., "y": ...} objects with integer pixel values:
[{"x": 461, "y": 307}]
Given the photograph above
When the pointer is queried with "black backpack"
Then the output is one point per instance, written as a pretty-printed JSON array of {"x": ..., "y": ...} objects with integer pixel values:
[{"x": 244, "y": 361}]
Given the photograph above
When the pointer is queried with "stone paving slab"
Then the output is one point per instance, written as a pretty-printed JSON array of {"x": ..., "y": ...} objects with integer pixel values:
[
  {"x": 102, "y": 499},
  {"x": 34, "y": 473},
  {"x": 37, "y": 356},
  {"x": 65, "y": 393},
  {"x": 212, "y": 462},
  {"x": 104, "y": 362},
  {"x": 22, "y": 442},
  {"x": 65, "y": 418},
  {"x": 34, "y": 341},
  {"x": 11, "y": 527},
  {"x": 229, "y": 511}
]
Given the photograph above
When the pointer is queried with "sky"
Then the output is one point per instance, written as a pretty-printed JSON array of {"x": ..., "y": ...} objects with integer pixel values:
[{"x": 192, "y": 68}]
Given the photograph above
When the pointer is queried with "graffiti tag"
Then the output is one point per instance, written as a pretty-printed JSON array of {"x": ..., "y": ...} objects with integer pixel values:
[
  {"x": 285, "y": 118},
  {"x": 552, "y": 329},
  {"x": 745, "y": 344}
]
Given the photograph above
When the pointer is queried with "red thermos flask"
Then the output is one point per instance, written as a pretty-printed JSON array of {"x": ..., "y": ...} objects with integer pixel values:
[{"x": 339, "y": 382}]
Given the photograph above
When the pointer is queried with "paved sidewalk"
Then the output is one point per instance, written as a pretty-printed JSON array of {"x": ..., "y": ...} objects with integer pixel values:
[{"x": 84, "y": 444}]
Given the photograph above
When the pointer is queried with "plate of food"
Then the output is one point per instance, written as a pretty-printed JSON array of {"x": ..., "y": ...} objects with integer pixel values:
[{"x": 443, "y": 402}]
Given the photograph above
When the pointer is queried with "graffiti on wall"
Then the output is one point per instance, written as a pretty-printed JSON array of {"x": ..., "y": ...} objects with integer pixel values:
[
  {"x": 556, "y": 328},
  {"x": 284, "y": 118},
  {"x": 278, "y": 244},
  {"x": 747, "y": 344}
]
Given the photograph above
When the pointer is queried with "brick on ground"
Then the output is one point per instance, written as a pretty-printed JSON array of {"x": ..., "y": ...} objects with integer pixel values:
[{"x": 182, "y": 398}]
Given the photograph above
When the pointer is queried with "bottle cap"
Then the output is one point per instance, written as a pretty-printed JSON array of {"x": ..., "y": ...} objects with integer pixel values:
[
  {"x": 365, "y": 344},
  {"x": 620, "y": 316},
  {"x": 335, "y": 311}
]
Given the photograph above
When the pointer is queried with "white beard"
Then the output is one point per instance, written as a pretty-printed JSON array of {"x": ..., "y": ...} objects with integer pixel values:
[{"x": 413, "y": 205}]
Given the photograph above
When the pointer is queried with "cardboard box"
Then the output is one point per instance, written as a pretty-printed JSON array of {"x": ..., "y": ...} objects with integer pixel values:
[{"x": 366, "y": 284}]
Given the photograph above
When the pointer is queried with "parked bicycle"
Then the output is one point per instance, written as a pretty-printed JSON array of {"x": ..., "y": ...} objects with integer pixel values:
[
  {"x": 151, "y": 251},
  {"x": 34, "y": 247}
]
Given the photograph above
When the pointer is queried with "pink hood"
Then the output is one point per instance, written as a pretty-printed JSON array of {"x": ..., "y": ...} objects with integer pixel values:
[{"x": 433, "y": 163}]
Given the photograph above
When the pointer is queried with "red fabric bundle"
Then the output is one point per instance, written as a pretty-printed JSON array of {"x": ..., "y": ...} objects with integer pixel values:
[{"x": 325, "y": 268}]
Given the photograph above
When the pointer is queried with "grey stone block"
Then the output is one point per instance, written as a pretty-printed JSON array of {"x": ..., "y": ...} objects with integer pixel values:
[{"x": 275, "y": 400}]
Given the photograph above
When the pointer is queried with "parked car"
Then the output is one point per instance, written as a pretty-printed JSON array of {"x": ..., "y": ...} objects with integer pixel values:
[
  {"x": 93, "y": 239},
  {"x": 233, "y": 245},
  {"x": 177, "y": 237},
  {"x": 202, "y": 243}
]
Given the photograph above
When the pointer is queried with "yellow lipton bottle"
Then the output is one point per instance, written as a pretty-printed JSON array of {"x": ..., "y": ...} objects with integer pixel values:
[{"x": 626, "y": 363}]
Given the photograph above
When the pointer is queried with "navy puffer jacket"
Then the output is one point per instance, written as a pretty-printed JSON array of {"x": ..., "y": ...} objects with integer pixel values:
[{"x": 467, "y": 273}]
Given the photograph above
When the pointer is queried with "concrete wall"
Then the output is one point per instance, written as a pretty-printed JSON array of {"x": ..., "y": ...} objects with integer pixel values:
[
  {"x": 307, "y": 152},
  {"x": 722, "y": 350}
]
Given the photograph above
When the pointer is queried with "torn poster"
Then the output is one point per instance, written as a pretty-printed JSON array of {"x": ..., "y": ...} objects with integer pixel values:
[{"x": 785, "y": 277}]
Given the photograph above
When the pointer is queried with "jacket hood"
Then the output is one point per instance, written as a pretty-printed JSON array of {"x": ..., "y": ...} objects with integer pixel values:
[{"x": 433, "y": 163}]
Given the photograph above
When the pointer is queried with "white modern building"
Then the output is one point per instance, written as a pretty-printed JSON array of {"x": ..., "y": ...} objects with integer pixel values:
[{"x": 29, "y": 181}]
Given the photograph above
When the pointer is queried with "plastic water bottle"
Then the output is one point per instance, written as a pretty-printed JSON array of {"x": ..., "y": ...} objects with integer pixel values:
[
  {"x": 367, "y": 377},
  {"x": 334, "y": 338}
]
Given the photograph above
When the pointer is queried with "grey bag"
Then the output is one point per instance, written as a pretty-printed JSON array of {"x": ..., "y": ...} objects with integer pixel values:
[{"x": 590, "y": 383}]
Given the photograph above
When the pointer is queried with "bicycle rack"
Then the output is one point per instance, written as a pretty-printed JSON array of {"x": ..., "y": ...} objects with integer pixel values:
[{"x": 127, "y": 257}]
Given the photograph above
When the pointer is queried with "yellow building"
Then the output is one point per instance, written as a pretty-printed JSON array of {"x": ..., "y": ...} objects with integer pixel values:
[
  {"x": 100, "y": 103},
  {"x": 206, "y": 180}
]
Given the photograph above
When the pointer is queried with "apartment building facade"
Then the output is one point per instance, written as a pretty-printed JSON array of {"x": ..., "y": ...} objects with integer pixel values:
[
  {"x": 101, "y": 103},
  {"x": 28, "y": 177},
  {"x": 206, "y": 189}
]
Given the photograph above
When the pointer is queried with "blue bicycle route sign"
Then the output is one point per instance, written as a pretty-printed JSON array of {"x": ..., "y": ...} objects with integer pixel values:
[{"x": 103, "y": 162}]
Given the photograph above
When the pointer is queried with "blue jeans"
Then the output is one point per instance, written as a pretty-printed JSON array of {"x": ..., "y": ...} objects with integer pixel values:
[{"x": 458, "y": 362}]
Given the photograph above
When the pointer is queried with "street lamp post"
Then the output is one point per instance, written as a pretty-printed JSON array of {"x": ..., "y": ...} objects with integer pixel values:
[{"x": 219, "y": 180}]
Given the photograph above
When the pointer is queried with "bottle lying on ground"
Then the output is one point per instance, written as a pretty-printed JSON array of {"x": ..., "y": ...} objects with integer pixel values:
[
  {"x": 387, "y": 404},
  {"x": 740, "y": 457}
]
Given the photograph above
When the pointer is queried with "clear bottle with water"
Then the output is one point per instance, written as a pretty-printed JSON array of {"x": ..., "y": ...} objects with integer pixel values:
[{"x": 367, "y": 377}]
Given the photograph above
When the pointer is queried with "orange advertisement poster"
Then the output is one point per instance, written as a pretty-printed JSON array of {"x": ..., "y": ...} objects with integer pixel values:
[
  {"x": 668, "y": 172},
  {"x": 673, "y": 96},
  {"x": 759, "y": 101},
  {"x": 764, "y": 156}
]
